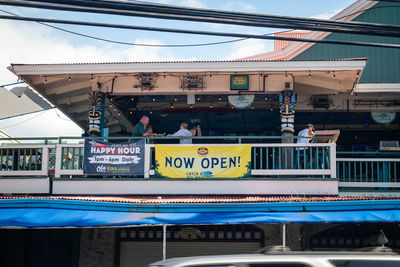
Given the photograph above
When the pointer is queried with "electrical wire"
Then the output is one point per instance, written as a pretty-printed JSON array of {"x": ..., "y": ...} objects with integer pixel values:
[
  {"x": 58, "y": 115},
  {"x": 4, "y": 85},
  {"x": 240, "y": 35},
  {"x": 133, "y": 44},
  {"x": 151, "y": 10},
  {"x": 23, "y": 114},
  {"x": 19, "y": 123},
  {"x": 150, "y": 45}
]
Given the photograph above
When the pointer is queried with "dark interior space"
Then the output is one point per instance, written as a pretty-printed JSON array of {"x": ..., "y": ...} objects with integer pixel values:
[{"x": 359, "y": 132}]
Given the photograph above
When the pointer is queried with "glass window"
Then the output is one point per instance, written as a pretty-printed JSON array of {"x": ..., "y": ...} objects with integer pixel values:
[
  {"x": 278, "y": 264},
  {"x": 365, "y": 263}
]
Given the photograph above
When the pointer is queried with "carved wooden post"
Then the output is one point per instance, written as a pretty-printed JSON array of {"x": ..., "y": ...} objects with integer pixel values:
[
  {"x": 96, "y": 110},
  {"x": 287, "y": 103}
]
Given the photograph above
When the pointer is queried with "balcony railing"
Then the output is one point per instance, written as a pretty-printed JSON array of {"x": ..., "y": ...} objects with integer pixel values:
[
  {"x": 368, "y": 169},
  {"x": 271, "y": 159}
]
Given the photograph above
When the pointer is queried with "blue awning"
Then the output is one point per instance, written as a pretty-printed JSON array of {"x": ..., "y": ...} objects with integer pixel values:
[
  {"x": 49, "y": 217},
  {"x": 61, "y": 213}
]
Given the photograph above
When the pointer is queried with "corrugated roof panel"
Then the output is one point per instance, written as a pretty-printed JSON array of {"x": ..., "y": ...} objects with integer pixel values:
[{"x": 383, "y": 63}]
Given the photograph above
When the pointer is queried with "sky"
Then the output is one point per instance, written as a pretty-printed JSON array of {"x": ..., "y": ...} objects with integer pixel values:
[{"x": 31, "y": 42}]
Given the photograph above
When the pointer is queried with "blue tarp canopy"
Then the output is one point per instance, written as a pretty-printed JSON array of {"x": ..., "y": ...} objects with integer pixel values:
[{"x": 68, "y": 213}]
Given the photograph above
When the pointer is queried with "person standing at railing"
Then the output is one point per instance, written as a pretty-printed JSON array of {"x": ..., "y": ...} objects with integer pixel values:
[
  {"x": 195, "y": 130},
  {"x": 140, "y": 128},
  {"x": 183, "y": 131},
  {"x": 308, "y": 133}
]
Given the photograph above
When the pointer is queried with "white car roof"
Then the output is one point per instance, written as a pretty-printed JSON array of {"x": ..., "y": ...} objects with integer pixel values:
[{"x": 299, "y": 257}]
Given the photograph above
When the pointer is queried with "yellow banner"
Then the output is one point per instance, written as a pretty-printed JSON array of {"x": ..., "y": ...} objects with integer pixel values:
[{"x": 196, "y": 161}]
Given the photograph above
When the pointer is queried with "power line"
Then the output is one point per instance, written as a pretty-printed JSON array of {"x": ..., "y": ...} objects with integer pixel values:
[
  {"x": 134, "y": 44},
  {"x": 4, "y": 85},
  {"x": 19, "y": 123},
  {"x": 151, "y": 10},
  {"x": 23, "y": 114},
  {"x": 239, "y": 35}
]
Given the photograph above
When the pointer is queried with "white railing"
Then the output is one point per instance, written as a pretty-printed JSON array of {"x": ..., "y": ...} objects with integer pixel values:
[
  {"x": 25, "y": 160},
  {"x": 378, "y": 170},
  {"x": 368, "y": 172},
  {"x": 268, "y": 160},
  {"x": 69, "y": 160}
]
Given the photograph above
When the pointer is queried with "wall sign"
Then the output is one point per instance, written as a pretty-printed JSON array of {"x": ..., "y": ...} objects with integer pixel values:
[
  {"x": 239, "y": 82},
  {"x": 383, "y": 117},
  {"x": 241, "y": 101}
]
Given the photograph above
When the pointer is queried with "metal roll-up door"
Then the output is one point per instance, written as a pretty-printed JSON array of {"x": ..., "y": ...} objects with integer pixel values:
[
  {"x": 139, "y": 254},
  {"x": 142, "y": 245}
]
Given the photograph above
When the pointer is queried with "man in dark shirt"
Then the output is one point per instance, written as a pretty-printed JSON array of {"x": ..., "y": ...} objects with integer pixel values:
[{"x": 140, "y": 127}]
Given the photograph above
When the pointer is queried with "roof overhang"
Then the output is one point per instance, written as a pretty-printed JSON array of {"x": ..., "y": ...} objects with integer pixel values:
[
  {"x": 377, "y": 88},
  {"x": 193, "y": 66},
  {"x": 66, "y": 86}
]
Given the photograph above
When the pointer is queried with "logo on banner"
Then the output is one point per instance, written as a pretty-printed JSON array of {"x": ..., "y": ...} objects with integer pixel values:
[
  {"x": 241, "y": 101},
  {"x": 113, "y": 159},
  {"x": 383, "y": 117},
  {"x": 230, "y": 161}
]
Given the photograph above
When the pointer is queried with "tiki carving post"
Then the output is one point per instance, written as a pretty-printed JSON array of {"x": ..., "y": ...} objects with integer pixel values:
[
  {"x": 287, "y": 103},
  {"x": 96, "y": 113}
]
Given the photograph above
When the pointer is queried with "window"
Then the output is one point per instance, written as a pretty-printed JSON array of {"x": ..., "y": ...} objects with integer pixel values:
[
  {"x": 365, "y": 263},
  {"x": 278, "y": 264}
]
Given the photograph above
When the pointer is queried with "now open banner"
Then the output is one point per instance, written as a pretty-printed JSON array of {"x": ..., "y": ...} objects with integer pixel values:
[
  {"x": 101, "y": 158},
  {"x": 196, "y": 161}
]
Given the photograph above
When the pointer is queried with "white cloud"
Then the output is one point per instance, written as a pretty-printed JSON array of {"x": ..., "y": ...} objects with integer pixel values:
[
  {"x": 326, "y": 15},
  {"x": 250, "y": 47},
  {"x": 34, "y": 43},
  {"x": 192, "y": 3},
  {"x": 239, "y": 6}
]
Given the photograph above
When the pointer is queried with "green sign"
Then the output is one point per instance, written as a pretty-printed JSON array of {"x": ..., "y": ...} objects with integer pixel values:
[{"x": 239, "y": 82}]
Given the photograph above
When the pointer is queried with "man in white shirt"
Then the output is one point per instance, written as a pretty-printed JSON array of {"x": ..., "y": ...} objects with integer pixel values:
[
  {"x": 183, "y": 131},
  {"x": 308, "y": 131},
  {"x": 302, "y": 151}
]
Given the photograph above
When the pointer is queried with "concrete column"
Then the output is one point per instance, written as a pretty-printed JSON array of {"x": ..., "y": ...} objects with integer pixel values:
[{"x": 97, "y": 247}]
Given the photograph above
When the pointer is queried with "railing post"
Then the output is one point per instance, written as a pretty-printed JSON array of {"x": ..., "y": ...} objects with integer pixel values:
[
  {"x": 284, "y": 234},
  {"x": 164, "y": 242},
  {"x": 332, "y": 157},
  {"x": 147, "y": 154},
  {"x": 57, "y": 166},
  {"x": 45, "y": 161}
]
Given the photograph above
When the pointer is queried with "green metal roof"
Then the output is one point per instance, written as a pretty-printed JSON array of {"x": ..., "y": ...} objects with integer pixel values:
[{"x": 383, "y": 63}]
